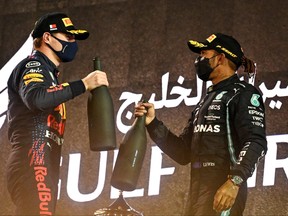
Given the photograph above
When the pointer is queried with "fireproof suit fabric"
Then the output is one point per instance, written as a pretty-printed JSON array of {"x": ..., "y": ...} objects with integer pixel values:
[
  {"x": 36, "y": 123},
  {"x": 224, "y": 136}
]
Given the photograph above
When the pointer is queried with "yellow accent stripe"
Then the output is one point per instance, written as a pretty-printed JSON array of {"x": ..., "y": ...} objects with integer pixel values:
[
  {"x": 33, "y": 80},
  {"x": 77, "y": 31},
  {"x": 32, "y": 75},
  {"x": 197, "y": 44}
]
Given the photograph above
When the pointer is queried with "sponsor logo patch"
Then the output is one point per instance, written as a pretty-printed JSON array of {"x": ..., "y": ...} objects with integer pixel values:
[
  {"x": 208, "y": 164},
  {"x": 214, "y": 107},
  {"x": 220, "y": 95},
  {"x": 44, "y": 192},
  {"x": 53, "y": 27},
  {"x": 207, "y": 128},
  {"x": 211, "y": 38},
  {"x": 54, "y": 137},
  {"x": 32, "y": 64},
  {"x": 67, "y": 22},
  {"x": 34, "y": 70},
  {"x": 254, "y": 100}
]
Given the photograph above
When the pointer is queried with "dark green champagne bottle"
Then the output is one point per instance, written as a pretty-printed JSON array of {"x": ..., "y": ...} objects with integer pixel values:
[
  {"x": 101, "y": 123},
  {"x": 130, "y": 157}
]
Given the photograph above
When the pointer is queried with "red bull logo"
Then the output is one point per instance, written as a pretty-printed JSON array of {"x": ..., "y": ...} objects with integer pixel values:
[{"x": 43, "y": 191}]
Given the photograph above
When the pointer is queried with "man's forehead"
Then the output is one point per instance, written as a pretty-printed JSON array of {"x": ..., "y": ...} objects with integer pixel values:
[
  {"x": 65, "y": 34},
  {"x": 208, "y": 51}
]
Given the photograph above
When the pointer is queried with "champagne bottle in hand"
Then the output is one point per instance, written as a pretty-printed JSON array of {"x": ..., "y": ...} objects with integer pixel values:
[
  {"x": 130, "y": 156},
  {"x": 101, "y": 123}
]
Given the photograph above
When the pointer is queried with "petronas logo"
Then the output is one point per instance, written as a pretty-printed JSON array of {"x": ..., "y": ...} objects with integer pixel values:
[
  {"x": 220, "y": 95},
  {"x": 254, "y": 100}
]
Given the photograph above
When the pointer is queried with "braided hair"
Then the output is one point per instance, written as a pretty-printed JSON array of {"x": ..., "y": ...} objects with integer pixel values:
[{"x": 249, "y": 66}]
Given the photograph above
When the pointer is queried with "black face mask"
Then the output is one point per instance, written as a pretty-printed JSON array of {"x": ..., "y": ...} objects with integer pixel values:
[
  {"x": 68, "y": 52},
  {"x": 203, "y": 68}
]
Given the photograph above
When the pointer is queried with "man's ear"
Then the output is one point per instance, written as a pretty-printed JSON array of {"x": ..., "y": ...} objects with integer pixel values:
[
  {"x": 222, "y": 59},
  {"x": 46, "y": 37}
]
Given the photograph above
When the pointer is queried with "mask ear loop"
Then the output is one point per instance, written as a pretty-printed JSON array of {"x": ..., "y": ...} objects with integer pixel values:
[
  {"x": 51, "y": 46},
  {"x": 215, "y": 56},
  {"x": 222, "y": 54}
]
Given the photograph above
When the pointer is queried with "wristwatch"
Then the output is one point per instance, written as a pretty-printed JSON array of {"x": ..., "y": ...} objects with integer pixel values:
[{"x": 237, "y": 180}]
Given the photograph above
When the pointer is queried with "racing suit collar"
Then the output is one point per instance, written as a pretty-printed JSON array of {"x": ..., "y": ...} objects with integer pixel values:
[
  {"x": 220, "y": 85},
  {"x": 51, "y": 66}
]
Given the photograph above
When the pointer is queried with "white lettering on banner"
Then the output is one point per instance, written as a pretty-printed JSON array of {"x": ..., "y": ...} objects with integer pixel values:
[
  {"x": 251, "y": 182},
  {"x": 271, "y": 161},
  {"x": 129, "y": 98},
  {"x": 276, "y": 91},
  {"x": 73, "y": 178},
  {"x": 60, "y": 181},
  {"x": 156, "y": 171},
  {"x": 183, "y": 95}
]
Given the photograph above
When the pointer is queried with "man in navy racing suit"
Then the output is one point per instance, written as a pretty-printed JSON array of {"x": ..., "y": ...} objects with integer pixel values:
[
  {"x": 225, "y": 137},
  {"x": 37, "y": 114}
]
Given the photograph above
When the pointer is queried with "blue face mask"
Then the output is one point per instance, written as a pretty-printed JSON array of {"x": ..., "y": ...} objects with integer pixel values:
[{"x": 68, "y": 51}]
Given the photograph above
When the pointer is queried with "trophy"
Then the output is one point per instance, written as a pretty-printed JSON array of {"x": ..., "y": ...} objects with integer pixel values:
[{"x": 118, "y": 208}]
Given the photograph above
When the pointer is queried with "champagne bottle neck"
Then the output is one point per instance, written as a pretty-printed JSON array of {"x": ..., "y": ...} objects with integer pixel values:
[{"x": 140, "y": 120}]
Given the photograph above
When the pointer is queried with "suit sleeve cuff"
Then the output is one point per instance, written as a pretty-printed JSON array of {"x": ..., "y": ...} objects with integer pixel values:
[
  {"x": 153, "y": 124},
  {"x": 77, "y": 87}
]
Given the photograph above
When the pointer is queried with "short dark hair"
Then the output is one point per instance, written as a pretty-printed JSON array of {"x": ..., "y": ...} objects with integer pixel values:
[{"x": 37, "y": 42}]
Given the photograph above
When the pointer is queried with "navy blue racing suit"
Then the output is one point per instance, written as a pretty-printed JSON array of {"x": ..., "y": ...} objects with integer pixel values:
[
  {"x": 36, "y": 123},
  {"x": 224, "y": 136}
]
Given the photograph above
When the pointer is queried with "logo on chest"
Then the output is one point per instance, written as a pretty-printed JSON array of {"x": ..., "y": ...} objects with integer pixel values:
[{"x": 200, "y": 128}]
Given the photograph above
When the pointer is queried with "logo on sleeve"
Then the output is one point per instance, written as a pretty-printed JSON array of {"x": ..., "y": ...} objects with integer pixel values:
[{"x": 254, "y": 100}]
